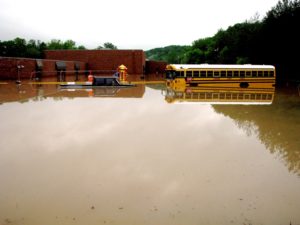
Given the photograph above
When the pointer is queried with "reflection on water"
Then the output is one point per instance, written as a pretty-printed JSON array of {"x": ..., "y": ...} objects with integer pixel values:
[
  {"x": 127, "y": 156},
  {"x": 220, "y": 95},
  {"x": 276, "y": 126}
]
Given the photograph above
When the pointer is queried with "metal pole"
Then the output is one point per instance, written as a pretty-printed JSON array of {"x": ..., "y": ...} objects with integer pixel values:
[{"x": 19, "y": 68}]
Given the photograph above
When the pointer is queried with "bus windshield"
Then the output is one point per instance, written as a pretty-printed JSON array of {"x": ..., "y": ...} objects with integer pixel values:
[{"x": 170, "y": 74}]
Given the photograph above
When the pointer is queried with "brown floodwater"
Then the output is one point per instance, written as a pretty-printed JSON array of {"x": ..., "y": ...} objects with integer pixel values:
[{"x": 131, "y": 156}]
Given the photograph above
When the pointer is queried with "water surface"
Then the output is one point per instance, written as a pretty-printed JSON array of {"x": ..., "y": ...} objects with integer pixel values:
[{"x": 128, "y": 156}]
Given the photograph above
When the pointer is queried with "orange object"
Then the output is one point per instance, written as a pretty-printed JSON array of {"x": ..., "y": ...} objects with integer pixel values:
[
  {"x": 123, "y": 72},
  {"x": 91, "y": 93}
]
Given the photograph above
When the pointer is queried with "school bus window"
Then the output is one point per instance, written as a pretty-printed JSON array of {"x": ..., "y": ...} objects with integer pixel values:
[
  {"x": 223, "y": 73},
  {"x": 196, "y": 73},
  {"x": 234, "y": 96},
  {"x": 266, "y": 74},
  {"x": 229, "y": 73},
  {"x": 208, "y": 95},
  {"x": 242, "y": 73},
  {"x": 216, "y": 73},
  {"x": 182, "y": 73},
  {"x": 209, "y": 73},
  {"x": 254, "y": 73},
  {"x": 202, "y": 73},
  {"x": 248, "y": 73},
  {"x": 271, "y": 73},
  {"x": 215, "y": 96},
  {"x": 260, "y": 73},
  {"x": 202, "y": 96},
  {"x": 177, "y": 74},
  {"x": 169, "y": 75},
  {"x": 188, "y": 73},
  {"x": 235, "y": 73},
  {"x": 228, "y": 96},
  {"x": 222, "y": 95}
]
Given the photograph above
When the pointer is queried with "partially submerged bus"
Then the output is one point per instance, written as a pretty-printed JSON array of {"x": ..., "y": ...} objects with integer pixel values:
[{"x": 209, "y": 74}]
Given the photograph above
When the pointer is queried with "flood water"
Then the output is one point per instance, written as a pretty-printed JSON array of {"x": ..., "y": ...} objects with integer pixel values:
[{"x": 130, "y": 156}]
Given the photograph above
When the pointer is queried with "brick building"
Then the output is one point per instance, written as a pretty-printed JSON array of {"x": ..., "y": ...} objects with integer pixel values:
[
  {"x": 103, "y": 59},
  {"x": 9, "y": 67},
  {"x": 82, "y": 60},
  {"x": 155, "y": 67}
]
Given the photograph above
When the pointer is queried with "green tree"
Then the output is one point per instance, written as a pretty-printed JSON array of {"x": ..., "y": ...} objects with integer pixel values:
[
  {"x": 170, "y": 54},
  {"x": 54, "y": 44},
  {"x": 196, "y": 56},
  {"x": 32, "y": 49},
  {"x": 69, "y": 44},
  {"x": 109, "y": 45},
  {"x": 16, "y": 47},
  {"x": 81, "y": 47},
  {"x": 279, "y": 39}
]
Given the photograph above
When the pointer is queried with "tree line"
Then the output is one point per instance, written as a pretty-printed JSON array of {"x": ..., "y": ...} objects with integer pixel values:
[
  {"x": 19, "y": 47},
  {"x": 274, "y": 40}
]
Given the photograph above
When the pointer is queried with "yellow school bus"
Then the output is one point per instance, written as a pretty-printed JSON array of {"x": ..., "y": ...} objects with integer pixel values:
[{"x": 209, "y": 74}]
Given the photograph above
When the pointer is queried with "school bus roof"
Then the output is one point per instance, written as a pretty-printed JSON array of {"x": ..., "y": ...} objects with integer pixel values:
[{"x": 217, "y": 66}]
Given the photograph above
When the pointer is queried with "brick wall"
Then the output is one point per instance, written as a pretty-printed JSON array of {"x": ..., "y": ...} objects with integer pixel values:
[
  {"x": 98, "y": 60},
  {"x": 8, "y": 67},
  {"x": 134, "y": 60},
  {"x": 153, "y": 67}
]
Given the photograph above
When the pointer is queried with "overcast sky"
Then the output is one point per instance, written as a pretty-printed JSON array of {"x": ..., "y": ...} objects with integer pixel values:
[{"x": 136, "y": 24}]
